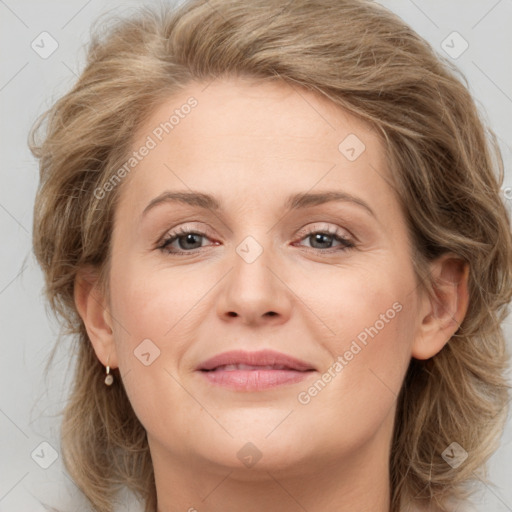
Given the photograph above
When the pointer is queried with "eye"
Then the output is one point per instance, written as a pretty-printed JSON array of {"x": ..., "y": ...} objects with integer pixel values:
[
  {"x": 182, "y": 241},
  {"x": 323, "y": 239}
]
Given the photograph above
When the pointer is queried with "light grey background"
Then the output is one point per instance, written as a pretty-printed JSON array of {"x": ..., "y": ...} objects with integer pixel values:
[{"x": 30, "y": 403}]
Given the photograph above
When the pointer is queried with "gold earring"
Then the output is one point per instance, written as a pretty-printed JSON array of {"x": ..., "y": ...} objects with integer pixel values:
[{"x": 109, "y": 379}]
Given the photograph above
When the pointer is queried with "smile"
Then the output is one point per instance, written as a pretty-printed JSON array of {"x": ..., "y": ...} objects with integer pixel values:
[{"x": 254, "y": 371}]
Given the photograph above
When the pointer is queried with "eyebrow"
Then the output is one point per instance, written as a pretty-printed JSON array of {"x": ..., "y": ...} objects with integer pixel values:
[{"x": 293, "y": 202}]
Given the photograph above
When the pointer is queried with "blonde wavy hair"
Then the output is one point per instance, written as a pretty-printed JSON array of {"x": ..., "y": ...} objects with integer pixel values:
[{"x": 447, "y": 168}]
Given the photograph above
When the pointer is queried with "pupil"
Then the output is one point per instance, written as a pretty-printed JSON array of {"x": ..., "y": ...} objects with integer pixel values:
[
  {"x": 189, "y": 239},
  {"x": 322, "y": 238}
]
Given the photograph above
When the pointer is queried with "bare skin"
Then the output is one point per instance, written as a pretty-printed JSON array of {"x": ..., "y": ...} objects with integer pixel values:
[{"x": 251, "y": 146}]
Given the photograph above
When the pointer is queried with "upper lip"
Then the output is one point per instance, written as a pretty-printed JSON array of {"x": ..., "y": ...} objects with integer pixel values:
[{"x": 259, "y": 358}]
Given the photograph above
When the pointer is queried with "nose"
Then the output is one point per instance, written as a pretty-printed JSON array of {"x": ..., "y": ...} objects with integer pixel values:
[{"x": 254, "y": 292}]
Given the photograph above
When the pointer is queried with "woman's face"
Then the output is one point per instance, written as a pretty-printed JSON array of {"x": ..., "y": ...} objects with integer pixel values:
[{"x": 298, "y": 247}]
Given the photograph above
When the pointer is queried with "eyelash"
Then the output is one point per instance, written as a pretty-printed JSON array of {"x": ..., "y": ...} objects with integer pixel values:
[{"x": 335, "y": 233}]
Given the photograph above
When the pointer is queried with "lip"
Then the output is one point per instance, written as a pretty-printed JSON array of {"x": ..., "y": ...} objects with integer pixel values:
[{"x": 259, "y": 370}]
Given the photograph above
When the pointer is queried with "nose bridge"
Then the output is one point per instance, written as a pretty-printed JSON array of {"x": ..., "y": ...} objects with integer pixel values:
[
  {"x": 251, "y": 276},
  {"x": 251, "y": 290}
]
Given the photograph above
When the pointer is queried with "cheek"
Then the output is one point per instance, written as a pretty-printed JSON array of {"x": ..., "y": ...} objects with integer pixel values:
[
  {"x": 373, "y": 317},
  {"x": 151, "y": 303},
  {"x": 150, "y": 340},
  {"x": 374, "y": 301},
  {"x": 370, "y": 357},
  {"x": 156, "y": 315}
]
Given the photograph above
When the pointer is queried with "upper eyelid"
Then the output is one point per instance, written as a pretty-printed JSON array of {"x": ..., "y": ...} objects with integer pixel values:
[
  {"x": 309, "y": 227},
  {"x": 323, "y": 226}
]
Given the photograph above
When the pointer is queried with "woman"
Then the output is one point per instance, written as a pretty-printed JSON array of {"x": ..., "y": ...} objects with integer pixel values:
[{"x": 276, "y": 232}]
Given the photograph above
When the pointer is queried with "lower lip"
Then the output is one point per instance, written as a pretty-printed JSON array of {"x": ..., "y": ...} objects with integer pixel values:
[{"x": 254, "y": 380}]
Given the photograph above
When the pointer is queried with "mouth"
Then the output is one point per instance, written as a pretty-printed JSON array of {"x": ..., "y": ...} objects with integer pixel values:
[{"x": 254, "y": 371}]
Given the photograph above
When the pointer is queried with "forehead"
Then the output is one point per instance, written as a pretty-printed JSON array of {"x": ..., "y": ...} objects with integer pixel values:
[{"x": 236, "y": 136}]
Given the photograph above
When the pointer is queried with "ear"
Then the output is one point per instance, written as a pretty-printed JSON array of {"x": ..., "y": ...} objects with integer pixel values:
[
  {"x": 92, "y": 307},
  {"x": 442, "y": 313}
]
